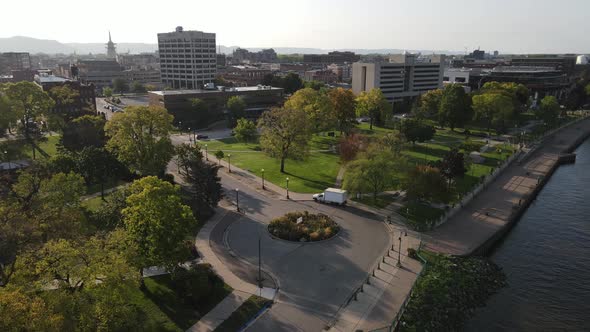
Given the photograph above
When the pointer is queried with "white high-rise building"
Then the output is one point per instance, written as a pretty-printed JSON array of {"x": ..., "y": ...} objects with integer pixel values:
[{"x": 187, "y": 58}]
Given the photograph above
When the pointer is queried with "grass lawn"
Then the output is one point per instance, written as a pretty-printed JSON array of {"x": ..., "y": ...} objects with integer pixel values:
[
  {"x": 313, "y": 174},
  {"x": 19, "y": 149},
  {"x": 420, "y": 215},
  {"x": 94, "y": 203},
  {"x": 382, "y": 200},
  {"x": 95, "y": 188},
  {"x": 243, "y": 314},
  {"x": 175, "y": 313}
]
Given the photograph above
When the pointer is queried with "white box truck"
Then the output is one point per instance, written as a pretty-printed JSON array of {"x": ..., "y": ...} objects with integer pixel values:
[{"x": 332, "y": 196}]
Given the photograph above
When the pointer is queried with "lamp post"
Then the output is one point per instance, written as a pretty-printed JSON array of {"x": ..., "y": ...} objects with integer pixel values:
[
  {"x": 399, "y": 251},
  {"x": 259, "y": 264},
  {"x": 7, "y": 159},
  {"x": 262, "y": 170},
  {"x": 189, "y": 135},
  {"x": 229, "y": 162},
  {"x": 206, "y": 153},
  {"x": 180, "y": 127},
  {"x": 237, "y": 199},
  {"x": 287, "y": 188}
]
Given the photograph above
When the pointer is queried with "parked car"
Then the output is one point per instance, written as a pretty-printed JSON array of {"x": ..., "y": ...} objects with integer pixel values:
[
  {"x": 332, "y": 196},
  {"x": 199, "y": 136}
]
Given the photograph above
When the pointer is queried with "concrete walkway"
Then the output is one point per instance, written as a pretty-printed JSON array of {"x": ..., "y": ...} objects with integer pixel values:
[
  {"x": 384, "y": 293},
  {"x": 493, "y": 209},
  {"x": 221, "y": 312}
]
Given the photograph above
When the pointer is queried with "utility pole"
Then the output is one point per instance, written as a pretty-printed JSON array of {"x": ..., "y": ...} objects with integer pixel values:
[{"x": 399, "y": 251}]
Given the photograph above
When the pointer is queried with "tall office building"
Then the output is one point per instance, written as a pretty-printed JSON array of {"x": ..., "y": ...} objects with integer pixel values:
[
  {"x": 187, "y": 58},
  {"x": 404, "y": 76}
]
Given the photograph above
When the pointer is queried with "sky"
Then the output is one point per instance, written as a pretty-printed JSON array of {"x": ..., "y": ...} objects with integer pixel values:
[{"x": 509, "y": 26}]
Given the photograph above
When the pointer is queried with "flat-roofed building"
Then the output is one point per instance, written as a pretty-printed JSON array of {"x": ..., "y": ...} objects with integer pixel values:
[
  {"x": 179, "y": 102},
  {"x": 187, "y": 58},
  {"x": 101, "y": 73},
  {"x": 84, "y": 101},
  {"x": 332, "y": 57},
  {"x": 10, "y": 61},
  {"x": 404, "y": 76}
]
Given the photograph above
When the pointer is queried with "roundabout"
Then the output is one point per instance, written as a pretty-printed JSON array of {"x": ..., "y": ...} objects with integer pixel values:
[{"x": 303, "y": 227}]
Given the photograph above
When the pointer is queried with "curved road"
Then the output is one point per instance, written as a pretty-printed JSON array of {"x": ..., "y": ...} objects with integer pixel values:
[{"x": 315, "y": 279}]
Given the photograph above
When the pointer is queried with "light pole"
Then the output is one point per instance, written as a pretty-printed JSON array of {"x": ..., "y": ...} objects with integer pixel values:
[
  {"x": 238, "y": 200},
  {"x": 180, "y": 127},
  {"x": 262, "y": 179},
  {"x": 287, "y": 188},
  {"x": 259, "y": 264},
  {"x": 399, "y": 252},
  {"x": 229, "y": 162},
  {"x": 7, "y": 159},
  {"x": 206, "y": 153}
]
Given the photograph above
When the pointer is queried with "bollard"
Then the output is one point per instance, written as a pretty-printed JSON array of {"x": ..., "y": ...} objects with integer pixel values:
[
  {"x": 384, "y": 257},
  {"x": 368, "y": 280}
]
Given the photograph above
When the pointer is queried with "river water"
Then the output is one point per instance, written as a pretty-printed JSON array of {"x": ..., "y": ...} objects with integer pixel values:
[{"x": 546, "y": 258}]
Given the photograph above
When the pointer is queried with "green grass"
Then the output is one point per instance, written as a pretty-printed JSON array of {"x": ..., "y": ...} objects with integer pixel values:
[
  {"x": 381, "y": 202},
  {"x": 93, "y": 204},
  {"x": 49, "y": 146},
  {"x": 95, "y": 188},
  {"x": 243, "y": 314},
  {"x": 420, "y": 215},
  {"x": 313, "y": 174}
]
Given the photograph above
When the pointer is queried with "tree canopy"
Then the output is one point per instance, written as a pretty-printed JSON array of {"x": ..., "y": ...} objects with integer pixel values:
[
  {"x": 374, "y": 105},
  {"x": 316, "y": 105},
  {"x": 455, "y": 107},
  {"x": 140, "y": 138},
  {"x": 246, "y": 131},
  {"x": 343, "y": 104},
  {"x": 494, "y": 109}
]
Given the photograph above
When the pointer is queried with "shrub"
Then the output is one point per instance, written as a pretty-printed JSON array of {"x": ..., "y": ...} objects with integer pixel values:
[
  {"x": 470, "y": 145},
  {"x": 314, "y": 227}
]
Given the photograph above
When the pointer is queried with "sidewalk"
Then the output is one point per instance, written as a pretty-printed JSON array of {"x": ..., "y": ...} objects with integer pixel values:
[
  {"x": 384, "y": 294},
  {"x": 220, "y": 313}
]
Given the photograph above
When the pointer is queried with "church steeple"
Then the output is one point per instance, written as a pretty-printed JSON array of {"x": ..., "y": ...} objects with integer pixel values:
[{"x": 111, "y": 50}]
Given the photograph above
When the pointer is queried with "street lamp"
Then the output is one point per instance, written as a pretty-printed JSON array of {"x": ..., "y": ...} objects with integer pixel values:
[
  {"x": 399, "y": 252},
  {"x": 7, "y": 159},
  {"x": 287, "y": 188},
  {"x": 206, "y": 153},
  {"x": 180, "y": 127},
  {"x": 262, "y": 178},
  {"x": 229, "y": 162},
  {"x": 237, "y": 199}
]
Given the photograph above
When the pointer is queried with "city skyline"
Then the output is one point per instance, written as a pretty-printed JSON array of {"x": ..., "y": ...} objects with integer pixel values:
[{"x": 522, "y": 27}]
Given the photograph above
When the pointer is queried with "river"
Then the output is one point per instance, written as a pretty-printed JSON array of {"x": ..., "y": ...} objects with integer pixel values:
[{"x": 546, "y": 258}]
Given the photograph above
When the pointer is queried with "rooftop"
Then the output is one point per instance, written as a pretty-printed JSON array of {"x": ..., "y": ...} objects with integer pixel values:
[
  {"x": 50, "y": 79},
  {"x": 218, "y": 90}
]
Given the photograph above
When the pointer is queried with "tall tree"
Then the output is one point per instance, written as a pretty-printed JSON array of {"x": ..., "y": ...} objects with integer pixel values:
[
  {"x": 291, "y": 83},
  {"x": 374, "y": 105},
  {"x": 137, "y": 87},
  {"x": 426, "y": 183},
  {"x": 30, "y": 103},
  {"x": 548, "y": 110},
  {"x": 120, "y": 85},
  {"x": 455, "y": 107},
  {"x": 236, "y": 106},
  {"x": 205, "y": 185},
  {"x": 140, "y": 138},
  {"x": 8, "y": 117},
  {"x": 284, "y": 134},
  {"x": 343, "y": 104},
  {"x": 22, "y": 310},
  {"x": 494, "y": 109},
  {"x": 157, "y": 222},
  {"x": 417, "y": 131},
  {"x": 107, "y": 92},
  {"x": 452, "y": 165},
  {"x": 429, "y": 104},
  {"x": 65, "y": 109},
  {"x": 85, "y": 131},
  {"x": 98, "y": 166},
  {"x": 246, "y": 131},
  {"x": 317, "y": 106}
]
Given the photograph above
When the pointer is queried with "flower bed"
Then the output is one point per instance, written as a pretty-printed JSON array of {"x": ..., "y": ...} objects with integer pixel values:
[{"x": 303, "y": 227}]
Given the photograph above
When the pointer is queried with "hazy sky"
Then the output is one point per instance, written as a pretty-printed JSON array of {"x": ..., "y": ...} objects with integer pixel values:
[{"x": 519, "y": 26}]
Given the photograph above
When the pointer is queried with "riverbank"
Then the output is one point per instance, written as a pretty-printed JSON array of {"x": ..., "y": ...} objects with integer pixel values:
[{"x": 487, "y": 218}]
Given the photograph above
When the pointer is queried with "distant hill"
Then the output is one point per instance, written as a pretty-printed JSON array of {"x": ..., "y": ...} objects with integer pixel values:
[{"x": 33, "y": 45}]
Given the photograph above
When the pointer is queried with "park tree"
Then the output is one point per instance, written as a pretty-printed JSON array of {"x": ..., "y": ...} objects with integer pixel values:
[
  {"x": 426, "y": 183},
  {"x": 291, "y": 83},
  {"x": 246, "y": 131},
  {"x": 98, "y": 166},
  {"x": 107, "y": 92},
  {"x": 315, "y": 85},
  {"x": 393, "y": 141},
  {"x": 236, "y": 106},
  {"x": 201, "y": 176},
  {"x": 157, "y": 223},
  {"x": 22, "y": 310},
  {"x": 30, "y": 104},
  {"x": 140, "y": 138},
  {"x": 85, "y": 131},
  {"x": 120, "y": 85},
  {"x": 65, "y": 98},
  {"x": 374, "y": 105},
  {"x": 285, "y": 133},
  {"x": 316, "y": 105},
  {"x": 518, "y": 93},
  {"x": 493, "y": 109},
  {"x": 548, "y": 110},
  {"x": 350, "y": 145},
  {"x": 137, "y": 87},
  {"x": 343, "y": 104},
  {"x": 455, "y": 107},
  {"x": 219, "y": 155},
  {"x": 8, "y": 117},
  {"x": 373, "y": 171},
  {"x": 429, "y": 104},
  {"x": 452, "y": 166},
  {"x": 417, "y": 131}
]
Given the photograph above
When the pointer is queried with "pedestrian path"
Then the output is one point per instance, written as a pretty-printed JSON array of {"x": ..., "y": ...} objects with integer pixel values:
[
  {"x": 221, "y": 312},
  {"x": 384, "y": 293}
]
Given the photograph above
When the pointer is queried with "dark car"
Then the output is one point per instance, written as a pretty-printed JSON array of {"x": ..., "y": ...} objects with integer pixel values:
[{"x": 202, "y": 136}]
